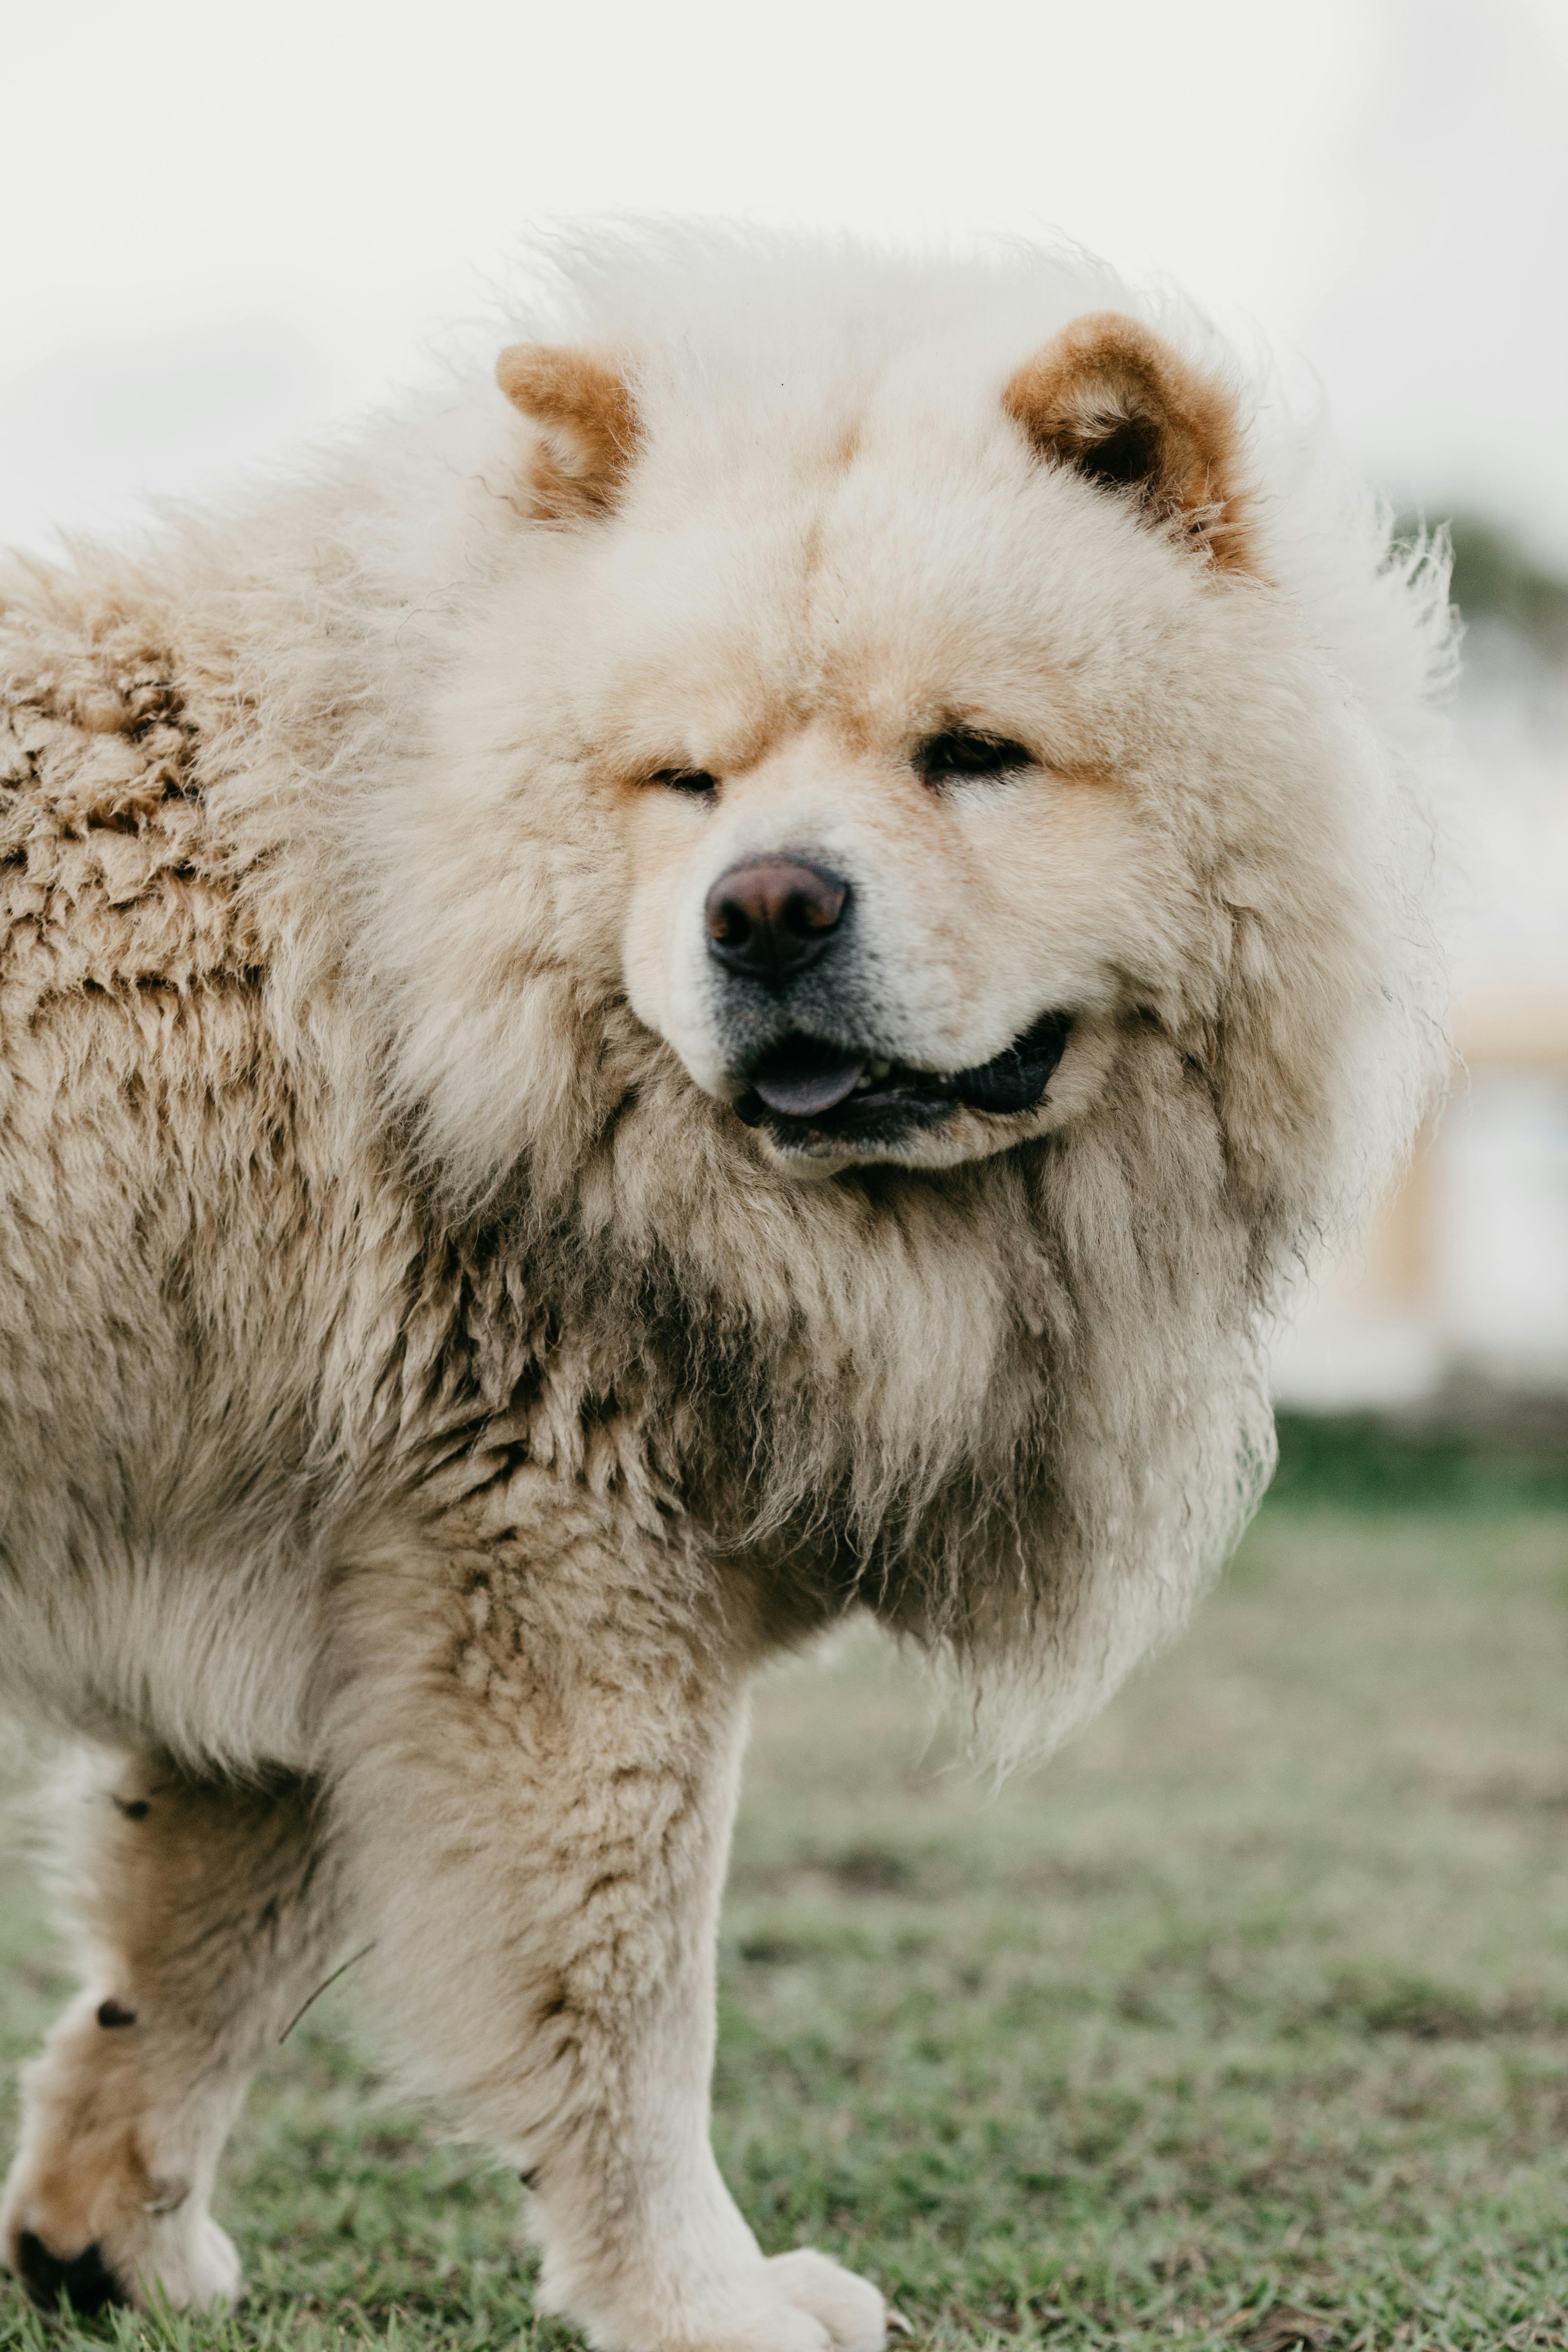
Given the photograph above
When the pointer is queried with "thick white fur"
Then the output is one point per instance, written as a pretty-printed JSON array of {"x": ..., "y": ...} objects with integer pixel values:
[{"x": 422, "y": 1400}]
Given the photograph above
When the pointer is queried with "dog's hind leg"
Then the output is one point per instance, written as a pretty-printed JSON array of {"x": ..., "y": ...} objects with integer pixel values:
[{"x": 203, "y": 1920}]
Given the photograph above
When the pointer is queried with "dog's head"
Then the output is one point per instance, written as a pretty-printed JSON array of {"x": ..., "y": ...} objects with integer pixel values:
[
  {"x": 893, "y": 720},
  {"x": 869, "y": 707}
]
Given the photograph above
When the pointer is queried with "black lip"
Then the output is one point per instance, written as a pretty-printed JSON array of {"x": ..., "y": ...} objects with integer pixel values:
[{"x": 1014, "y": 1080}]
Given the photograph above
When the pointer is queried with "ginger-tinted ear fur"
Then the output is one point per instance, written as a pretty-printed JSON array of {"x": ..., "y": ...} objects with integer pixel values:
[
  {"x": 1109, "y": 398},
  {"x": 588, "y": 421}
]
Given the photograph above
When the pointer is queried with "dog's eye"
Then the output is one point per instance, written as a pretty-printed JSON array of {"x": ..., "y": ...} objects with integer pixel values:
[
  {"x": 685, "y": 780},
  {"x": 960, "y": 753}
]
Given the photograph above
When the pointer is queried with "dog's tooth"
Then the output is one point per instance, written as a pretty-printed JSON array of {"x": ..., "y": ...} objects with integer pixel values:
[
  {"x": 878, "y": 1070},
  {"x": 863, "y": 1082}
]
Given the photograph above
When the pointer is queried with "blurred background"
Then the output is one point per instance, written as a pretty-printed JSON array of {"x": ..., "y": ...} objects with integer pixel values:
[{"x": 226, "y": 234}]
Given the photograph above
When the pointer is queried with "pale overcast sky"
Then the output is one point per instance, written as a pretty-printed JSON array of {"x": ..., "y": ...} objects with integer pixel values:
[{"x": 226, "y": 226}]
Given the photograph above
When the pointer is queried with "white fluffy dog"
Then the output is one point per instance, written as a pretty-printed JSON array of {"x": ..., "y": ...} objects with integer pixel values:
[{"x": 719, "y": 991}]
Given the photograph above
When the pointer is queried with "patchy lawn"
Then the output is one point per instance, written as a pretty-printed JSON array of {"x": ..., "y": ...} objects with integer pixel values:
[{"x": 1243, "y": 2025}]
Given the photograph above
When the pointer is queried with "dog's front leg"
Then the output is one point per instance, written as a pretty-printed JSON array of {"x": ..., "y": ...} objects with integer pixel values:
[{"x": 537, "y": 1747}]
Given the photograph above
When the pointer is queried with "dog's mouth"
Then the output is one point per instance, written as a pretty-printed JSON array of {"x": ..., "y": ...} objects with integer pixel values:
[{"x": 809, "y": 1087}]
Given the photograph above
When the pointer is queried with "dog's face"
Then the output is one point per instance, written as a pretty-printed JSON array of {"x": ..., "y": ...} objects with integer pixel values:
[{"x": 885, "y": 756}]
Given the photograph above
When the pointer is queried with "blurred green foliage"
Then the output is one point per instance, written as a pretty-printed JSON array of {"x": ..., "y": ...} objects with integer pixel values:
[
  {"x": 1370, "y": 1462},
  {"x": 1497, "y": 578}
]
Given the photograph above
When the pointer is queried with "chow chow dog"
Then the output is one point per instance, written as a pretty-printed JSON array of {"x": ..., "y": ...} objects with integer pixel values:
[{"x": 714, "y": 984}]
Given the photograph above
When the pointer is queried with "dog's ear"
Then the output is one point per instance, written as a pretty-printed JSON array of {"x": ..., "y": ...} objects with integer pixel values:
[
  {"x": 588, "y": 427},
  {"x": 1108, "y": 397}
]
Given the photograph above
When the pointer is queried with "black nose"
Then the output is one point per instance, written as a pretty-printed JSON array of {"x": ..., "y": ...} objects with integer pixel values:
[{"x": 770, "y": 918}]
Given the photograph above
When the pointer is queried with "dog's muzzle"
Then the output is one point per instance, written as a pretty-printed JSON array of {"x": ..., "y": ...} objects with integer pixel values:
[{"x": 781, "y": 941}]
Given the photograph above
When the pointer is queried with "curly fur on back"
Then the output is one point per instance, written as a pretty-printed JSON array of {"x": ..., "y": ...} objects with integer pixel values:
[{"x": 335, "y": 1162}]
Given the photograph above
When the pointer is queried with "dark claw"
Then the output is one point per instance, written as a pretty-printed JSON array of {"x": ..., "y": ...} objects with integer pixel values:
[{"x": 85, "y": 2281}]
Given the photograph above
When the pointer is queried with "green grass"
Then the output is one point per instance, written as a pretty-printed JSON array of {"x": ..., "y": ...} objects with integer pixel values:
[{"x": 1245, "y": 2025}]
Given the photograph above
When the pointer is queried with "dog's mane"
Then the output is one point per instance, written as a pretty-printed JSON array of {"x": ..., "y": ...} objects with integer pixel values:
[{"x": 1018, "y": 1409}]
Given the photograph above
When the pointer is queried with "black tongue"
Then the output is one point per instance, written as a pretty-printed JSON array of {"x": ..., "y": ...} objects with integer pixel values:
[{"x": 805, "y": 1077}]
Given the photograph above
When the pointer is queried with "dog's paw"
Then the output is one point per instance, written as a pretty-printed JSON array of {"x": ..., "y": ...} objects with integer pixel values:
[
  {"x": 802, "y": 2302},
  {"x": 103, "y": 2203},
  {"x": 183, "y": 2259},
  {"x": 848, "y": 2307}
]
